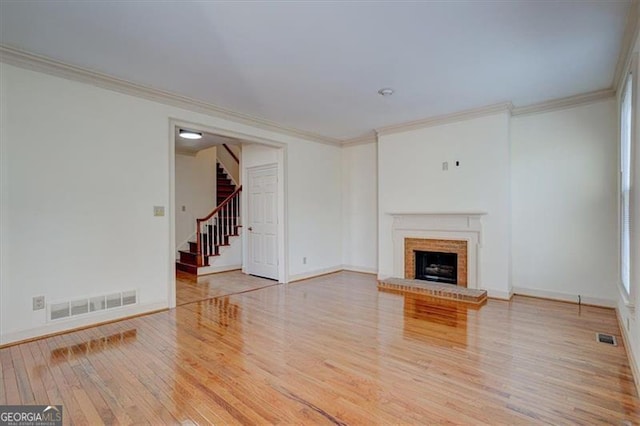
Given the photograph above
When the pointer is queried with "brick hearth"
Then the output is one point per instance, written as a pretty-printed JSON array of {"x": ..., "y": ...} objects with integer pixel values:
[{"x": 441, "y": 291}]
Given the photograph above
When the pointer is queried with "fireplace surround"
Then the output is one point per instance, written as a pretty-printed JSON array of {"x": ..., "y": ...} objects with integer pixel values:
[{"x": 458, "y": 232}]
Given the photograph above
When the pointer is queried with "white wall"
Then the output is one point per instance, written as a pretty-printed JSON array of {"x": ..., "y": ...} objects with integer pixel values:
[
  {"x": 82, "y": 168},
  {"x": 195, "y": 190},
  {"x": 564, "y": 203},
  {"x": 411, "y": 179},
  {"x": 315, "y": 209},
  {"x": 360, "y": 207}
]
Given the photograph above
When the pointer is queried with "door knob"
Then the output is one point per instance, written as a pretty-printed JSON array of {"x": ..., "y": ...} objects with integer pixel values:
[{"x": 250, "y": 229}]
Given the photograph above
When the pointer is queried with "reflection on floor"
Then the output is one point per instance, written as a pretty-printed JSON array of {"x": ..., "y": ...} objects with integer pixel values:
[
  {"x": 87, "y": 347},
  {"x": 447, "y": 319},
  {"x": 190, "y": 288},
  {"x": 332, "y": 350}
]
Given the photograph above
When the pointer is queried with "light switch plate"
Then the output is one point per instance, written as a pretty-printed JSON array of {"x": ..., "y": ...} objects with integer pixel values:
[{"x": 158, "y": 210}]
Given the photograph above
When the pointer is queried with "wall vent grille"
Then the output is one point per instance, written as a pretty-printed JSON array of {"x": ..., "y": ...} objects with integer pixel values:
[
  {"x": 609, "y": 339},
  {"x": 88, "y": 305}
]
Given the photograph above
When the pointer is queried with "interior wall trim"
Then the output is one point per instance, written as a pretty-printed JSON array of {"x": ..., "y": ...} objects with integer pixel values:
[
  {"x": 444, "y": 119},
  {"x": 361, "y": 140},
  {"x": 561, "y": 103},
  {"x": 628, "y": 39},
  {"x": 22, "y": 59},
  {"x": 629, "y": 351}
]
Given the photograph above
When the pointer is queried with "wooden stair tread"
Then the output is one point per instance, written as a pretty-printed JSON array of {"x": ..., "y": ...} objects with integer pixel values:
[{"x": 195, "y": 253}]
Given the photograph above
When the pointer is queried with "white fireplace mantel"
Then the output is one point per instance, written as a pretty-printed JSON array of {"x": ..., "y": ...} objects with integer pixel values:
[{"x": 466, "y": 226}]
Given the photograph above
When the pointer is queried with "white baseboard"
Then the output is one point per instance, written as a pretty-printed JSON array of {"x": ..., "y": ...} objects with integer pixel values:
[
  {"x": 215, "y": 269},
  {"x": 498, "y": 294},
  {"x": 565, "y": 297},
  {"x": 630, "y": 354},
  {"x": 317, "y": 272},
  {"x": 81, "y": 322},
  {"x": 363, "y": 269}
]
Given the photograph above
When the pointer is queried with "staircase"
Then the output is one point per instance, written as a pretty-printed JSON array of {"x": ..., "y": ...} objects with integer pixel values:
[
  {"x": 214, "y": 231},
  {"x": 224, "y": 186}
]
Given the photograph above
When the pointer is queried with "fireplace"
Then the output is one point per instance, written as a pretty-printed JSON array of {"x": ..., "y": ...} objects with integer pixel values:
[
  {"x": 436, "y": 266},
  {"x": 454, "y": 232},
  {"x": 447, "y": 262}
]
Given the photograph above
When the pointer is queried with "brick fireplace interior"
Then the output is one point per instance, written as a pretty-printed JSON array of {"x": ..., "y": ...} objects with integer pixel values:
[{"x": 458, "y": 247}]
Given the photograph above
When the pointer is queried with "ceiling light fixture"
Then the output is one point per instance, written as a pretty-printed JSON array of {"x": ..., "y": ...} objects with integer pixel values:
[
  {"x": 189, "y": 134},
  {"x": 385, "y": 91}
]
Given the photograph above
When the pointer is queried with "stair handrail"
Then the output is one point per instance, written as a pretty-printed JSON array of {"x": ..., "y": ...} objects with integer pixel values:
[
  {"x": 226, "y": 219},
  {"x": 222, "y": 204},
  {"x": 231, "y": 152}
]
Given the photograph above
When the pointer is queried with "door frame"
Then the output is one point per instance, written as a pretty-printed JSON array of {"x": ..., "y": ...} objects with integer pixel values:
[
  {"x": 281, "y": 163},
  {"x": 244, "y": 214}
]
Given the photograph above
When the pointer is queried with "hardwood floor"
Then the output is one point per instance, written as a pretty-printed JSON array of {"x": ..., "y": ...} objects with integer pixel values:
[
  {"x": 333, "y": 350},
  {"x": 190, "y": 288}
]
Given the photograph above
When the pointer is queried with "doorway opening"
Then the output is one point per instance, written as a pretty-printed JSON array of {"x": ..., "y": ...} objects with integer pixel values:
[{"x": 212, "y": 249}]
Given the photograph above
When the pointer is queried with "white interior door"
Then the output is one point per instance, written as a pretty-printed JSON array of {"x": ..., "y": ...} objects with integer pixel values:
[{"x": 262, "y": 227}]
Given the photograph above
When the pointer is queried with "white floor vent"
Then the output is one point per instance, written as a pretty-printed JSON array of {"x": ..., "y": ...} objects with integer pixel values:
[{"x": 89, "y": 305}]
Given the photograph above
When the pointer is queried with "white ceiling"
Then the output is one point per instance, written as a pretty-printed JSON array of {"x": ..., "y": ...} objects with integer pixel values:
[
  {"x": 192, "y": 146},
  {"x": 317, "y": 66}
]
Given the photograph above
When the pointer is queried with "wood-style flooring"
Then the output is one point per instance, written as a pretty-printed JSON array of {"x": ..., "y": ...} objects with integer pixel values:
[
  {"x": 190, "y": 288},
  {"x": 333, "y": 350}
]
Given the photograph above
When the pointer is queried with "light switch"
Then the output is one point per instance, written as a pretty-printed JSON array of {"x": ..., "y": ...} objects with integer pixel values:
[{"x": 158, "y": 210}]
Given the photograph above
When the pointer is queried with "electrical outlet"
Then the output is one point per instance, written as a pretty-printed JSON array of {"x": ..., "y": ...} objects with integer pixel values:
[
  {"x": 445, "y": 166},
  {"x": 38, "y": 303},
  {"x": 158, "y": 210},
  {"x": 304, "y": 260}
]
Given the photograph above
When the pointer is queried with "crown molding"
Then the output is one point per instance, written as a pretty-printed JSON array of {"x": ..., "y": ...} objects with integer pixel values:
[
  {"x": 361, "y": 140},
  {"x": 22, "y": 59},
  {"x": 444, "y": 119},
  {"x": 628, "y": 39},
  {"x": 561, "y": 103}
]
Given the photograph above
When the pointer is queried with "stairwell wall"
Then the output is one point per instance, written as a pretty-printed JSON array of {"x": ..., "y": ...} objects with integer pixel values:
[{"x": 195, "y": 190}]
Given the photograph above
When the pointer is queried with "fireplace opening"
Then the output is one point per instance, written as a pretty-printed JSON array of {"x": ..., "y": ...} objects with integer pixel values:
[{"x": 436, "y": 266}]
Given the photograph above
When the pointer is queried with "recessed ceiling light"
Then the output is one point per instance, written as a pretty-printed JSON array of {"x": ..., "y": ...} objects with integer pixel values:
[
  {"x": 189, "y": 134},
  {"x": 385, "y": 91}
]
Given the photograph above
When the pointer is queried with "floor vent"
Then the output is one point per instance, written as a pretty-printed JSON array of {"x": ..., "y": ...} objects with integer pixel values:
[
  {"x": 60, "y": 310},
  {"x": 606, "y": 338}
]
